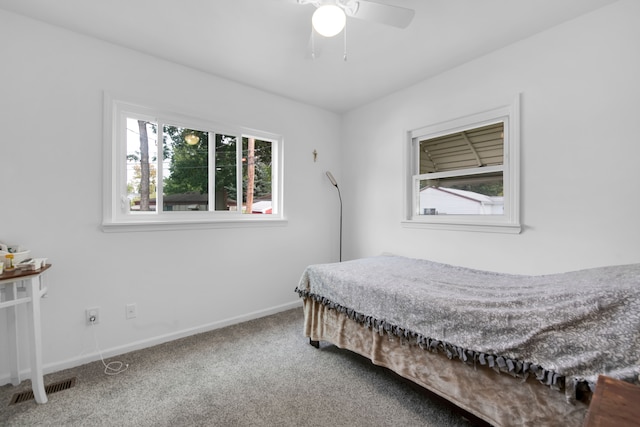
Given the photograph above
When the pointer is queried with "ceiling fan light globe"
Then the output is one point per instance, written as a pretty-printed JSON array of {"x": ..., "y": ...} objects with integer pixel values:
[{"x": 328, "y": 20}]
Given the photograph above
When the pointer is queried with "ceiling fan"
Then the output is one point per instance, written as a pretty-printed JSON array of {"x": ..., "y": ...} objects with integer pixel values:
[{"x": 329, "y": 19}]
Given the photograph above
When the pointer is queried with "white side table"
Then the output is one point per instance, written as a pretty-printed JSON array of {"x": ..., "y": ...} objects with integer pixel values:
[{"x": 11, "y": 282}]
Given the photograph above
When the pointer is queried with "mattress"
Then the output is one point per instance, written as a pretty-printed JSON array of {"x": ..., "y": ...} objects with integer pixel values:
[
  {"x": 561, "y": 329},
  {"x": 490, "y": 395}
]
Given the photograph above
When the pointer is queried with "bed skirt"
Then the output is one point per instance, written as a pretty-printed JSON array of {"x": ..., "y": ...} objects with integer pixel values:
[{"x": 497, "y": 398}]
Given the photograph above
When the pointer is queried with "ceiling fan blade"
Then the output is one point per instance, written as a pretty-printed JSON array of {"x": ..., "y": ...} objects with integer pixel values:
[
  {"x": 316, "y": 3},
  {"x": 395, "y": 16}
]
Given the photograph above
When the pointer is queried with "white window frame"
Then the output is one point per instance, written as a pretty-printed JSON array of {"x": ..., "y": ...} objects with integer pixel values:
[
  {"x": 509, "y": 222},
  {"x": 116, "y": 216}
]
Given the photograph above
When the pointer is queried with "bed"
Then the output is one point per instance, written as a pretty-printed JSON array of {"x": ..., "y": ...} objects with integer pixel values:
[{"x": 509, "y": 349}]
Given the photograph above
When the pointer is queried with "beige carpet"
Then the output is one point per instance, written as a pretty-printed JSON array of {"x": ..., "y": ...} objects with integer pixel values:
[{"x": 258, "y": 373}]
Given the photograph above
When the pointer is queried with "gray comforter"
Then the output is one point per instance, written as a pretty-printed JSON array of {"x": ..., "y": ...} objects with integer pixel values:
[{"x": 563, "y": 328}]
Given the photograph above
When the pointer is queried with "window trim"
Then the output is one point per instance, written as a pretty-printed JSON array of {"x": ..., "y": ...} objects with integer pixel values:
[
  {"x": 507, "y": 223},
  {"x": 114, "y": 219}
]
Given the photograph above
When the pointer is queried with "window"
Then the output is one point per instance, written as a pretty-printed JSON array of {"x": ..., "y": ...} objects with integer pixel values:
[
  {"x": 464, "y": 174},
  {"x": 164, "y": 170}
]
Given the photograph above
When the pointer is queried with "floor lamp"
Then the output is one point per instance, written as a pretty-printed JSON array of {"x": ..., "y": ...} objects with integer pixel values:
[{"x": 335, "y": 184}]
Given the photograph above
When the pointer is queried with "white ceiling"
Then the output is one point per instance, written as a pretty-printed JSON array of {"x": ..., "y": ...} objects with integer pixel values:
[{"x": 264, "y": 43}]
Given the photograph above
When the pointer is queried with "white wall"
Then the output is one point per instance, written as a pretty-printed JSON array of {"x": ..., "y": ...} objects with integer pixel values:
[
  {"x": 580, "y": 147},
  {"x": 52, "y": 84}
]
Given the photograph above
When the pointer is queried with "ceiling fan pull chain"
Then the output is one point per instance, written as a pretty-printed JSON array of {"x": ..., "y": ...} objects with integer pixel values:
[
  {"x": 345, "y": 43},
  {"x": 313, "y": 44}
]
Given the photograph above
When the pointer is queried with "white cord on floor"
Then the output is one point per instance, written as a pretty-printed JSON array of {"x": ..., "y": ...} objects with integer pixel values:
[{"x": 112, "y": 368}]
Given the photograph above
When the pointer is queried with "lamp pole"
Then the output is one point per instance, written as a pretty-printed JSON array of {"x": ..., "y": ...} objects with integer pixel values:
[{"x": 335, "y": 184}]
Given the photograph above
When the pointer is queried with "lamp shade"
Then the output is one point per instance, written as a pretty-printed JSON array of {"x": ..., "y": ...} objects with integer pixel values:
[
  {"x": 328, "y": 20},
  {"x": 332, "y": 179}
]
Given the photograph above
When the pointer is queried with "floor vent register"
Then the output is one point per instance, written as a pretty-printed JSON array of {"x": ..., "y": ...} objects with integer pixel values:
[{"x": 27, "y": 395}]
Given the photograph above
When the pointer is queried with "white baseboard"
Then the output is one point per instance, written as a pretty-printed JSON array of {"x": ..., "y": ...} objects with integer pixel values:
[{"x": 150, "y": 342}]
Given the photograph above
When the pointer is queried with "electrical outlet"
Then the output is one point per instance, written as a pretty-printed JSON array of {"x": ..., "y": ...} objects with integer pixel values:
[
  {"x": 93, "y": 315},
  {"x": 132, "y": 311}
]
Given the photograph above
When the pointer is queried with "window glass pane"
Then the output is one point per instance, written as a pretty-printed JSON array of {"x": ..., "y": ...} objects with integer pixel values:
[
  {"x": 256, "y": 176},
  {"x": 185, "y": 169},
  {"x": 463, "y": 174},
  {"x": 226, "y": 173},
  {"x": 482, "y": 146},
  {"x": 462, "y": 195},
  {"x": 168, "y": 169},
  {"x": 142, "y": 153}
]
